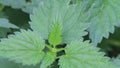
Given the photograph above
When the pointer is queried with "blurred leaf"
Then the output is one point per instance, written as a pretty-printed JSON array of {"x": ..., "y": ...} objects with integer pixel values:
[
  {"x": 31, "y": 66},
  {"x": 17, "y": 17},
  {"x": 29, "y": 6},
  {"x": 2, "y": 15},
  {"x": 1, "y": 7},
  {"x": 5, "y": 23},
  {"x": 26, "y": 6},
  {"x": 4, "y": 63},
  {"x": 116, "y": 61},
  {"x": 116, "y": 35},
  {"x": 3, "y": 32},
  {"x": 105, "y": 20},
  {"x": 13, "y": 3}
]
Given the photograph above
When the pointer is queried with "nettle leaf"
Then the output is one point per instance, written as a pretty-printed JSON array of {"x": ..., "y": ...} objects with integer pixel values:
[
  {"x": 55, "y": 36},
  {"x": 116, "y": 61},
  {"x": 5, "y": 23},
  {"x": 83, "y": 55},
  {"x": 107, "y": 16},
  {"x": 45, "y": 15},
  {"x": 4, "y": 63},
  {"x": 30, "y": 66},
  {"x": 25, "y": 5},
  {"x": 30, "y": 4},
  {"x": 4, "y": 27},
  {"x": 23, "y": 47},
  {"x": 59, "y": 11},
  {"x": 13, "y": 3},
  {"x": 4, "y": 31},
  {"x": 48, "y": 60}
]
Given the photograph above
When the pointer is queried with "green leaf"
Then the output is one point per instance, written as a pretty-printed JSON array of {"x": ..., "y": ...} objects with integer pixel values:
[
  {"x": 83, "y": 55},
  {"x": 4, "y": 26},
  {"x": 28, "y": 7},
  {"x": 24, "y": 47},
  {"x": 48, "y": 60},
  {"x": 4, "y": 63},
  {"x": 17, "y": 17},
  {"x": 13, "y": 3},
  {"x": 4, "y": 32},
  {"x": 30, "y": 66},
  {"x": 25, "y": 5},
  {"x": 59, "y": 11},
  {"x": 116, "y": 61},
  {"x": 104, "y": 20},
  {"x": 55, "y": 35},
  {"x": 5, "y": 23},
  {"x": 75, "y": 1}
]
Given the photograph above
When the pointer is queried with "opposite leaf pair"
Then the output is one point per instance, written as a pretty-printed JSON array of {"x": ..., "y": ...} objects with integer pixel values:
[{"x": 28, "y": 47}]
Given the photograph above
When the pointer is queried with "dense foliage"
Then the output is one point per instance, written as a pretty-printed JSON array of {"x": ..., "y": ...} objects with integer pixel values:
[{"x": 59, "y": 34}]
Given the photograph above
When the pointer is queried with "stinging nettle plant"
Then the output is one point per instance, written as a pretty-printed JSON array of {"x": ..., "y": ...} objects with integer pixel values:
[{"x": 57, "y": 34}]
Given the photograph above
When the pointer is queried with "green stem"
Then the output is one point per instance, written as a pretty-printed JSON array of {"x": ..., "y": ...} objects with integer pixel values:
[
  {"x": 114, "y": 42},
  {"x": 54, "y": 49},
  {"x": 49, "y": 47},
  {"x": 60, "y": 49}
]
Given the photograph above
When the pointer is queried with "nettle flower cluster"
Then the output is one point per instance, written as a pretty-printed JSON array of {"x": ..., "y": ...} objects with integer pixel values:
[{"x": 57, "y": 34}]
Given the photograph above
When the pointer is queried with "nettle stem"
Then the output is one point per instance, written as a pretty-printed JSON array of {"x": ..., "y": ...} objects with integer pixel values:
[
  {"x": 54, "y": 49},
  {"x": 60, "y": 49}
]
